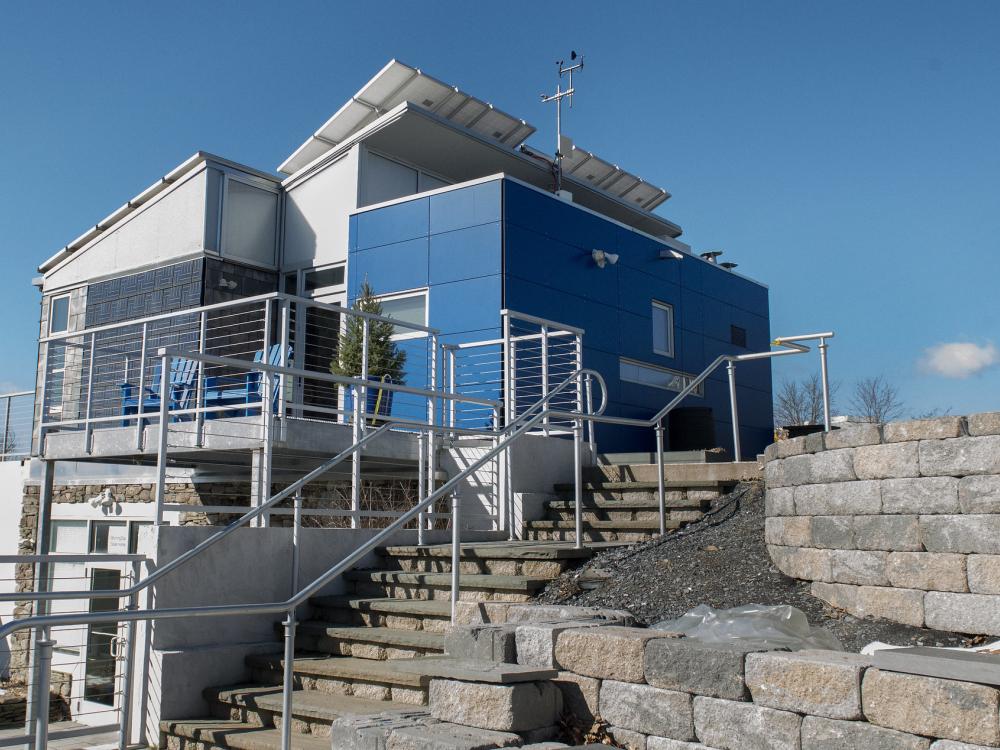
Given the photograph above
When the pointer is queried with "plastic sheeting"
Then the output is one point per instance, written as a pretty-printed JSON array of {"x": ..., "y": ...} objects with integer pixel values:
[{"x": 752, "y": 626}]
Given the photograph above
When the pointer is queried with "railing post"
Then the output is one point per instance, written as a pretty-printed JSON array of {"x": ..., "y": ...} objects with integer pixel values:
[
  {"x": 200, "y": 393},
  {"x": 545, "y": 373},
  {"x": 296, "y": 540},
  {"x": 451, "y": 387},
  {"x": 90, "y": 395},
  {"x": 286, "y": 322},
  {"x": 356, "y": 460},
  {"x": 267, "y": 428},
  {"x": 365, "y": 370},
  {"x": 661, "y": 495},
  {"x": 731, "y": 368},
  {"x": 456, "y": 539},
  {"x": 6, "y": 429},
  {"x": 142, "y": 387},
  {"x": 161, "y": 451},
  {"x": 287, "y": 680},
  {"x": 592, "y": 440},
  {"x": 44, "y": 672},
  {"x": 826, "y": 384},
  {"x": 125, "y": 722},
  {"x": 578, "y": 482},
  {"x": 421, "y": 484}
]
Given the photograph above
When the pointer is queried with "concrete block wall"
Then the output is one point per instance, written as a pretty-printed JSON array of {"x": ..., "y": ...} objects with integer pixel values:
[
  {"x": 653, "y": 691},
  {"x": 899, "y": 521}
]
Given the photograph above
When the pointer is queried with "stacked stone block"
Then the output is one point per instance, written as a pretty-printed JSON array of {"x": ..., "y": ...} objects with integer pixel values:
[
  {"x": 655, "y": 691},
  {"x": 899, "y": 521}
]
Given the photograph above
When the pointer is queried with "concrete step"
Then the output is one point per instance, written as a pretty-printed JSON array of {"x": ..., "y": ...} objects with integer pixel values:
[
  {"x": 645, "y": 502},
  {"x": 220, "y": 734},
  {"x": 312, "y": 710},
  {"x": 436, "y": 586},
  {"x": 638, "y": 487},
  {"x": 367, "y": 642},
  {"x": 399, "y": 614}
]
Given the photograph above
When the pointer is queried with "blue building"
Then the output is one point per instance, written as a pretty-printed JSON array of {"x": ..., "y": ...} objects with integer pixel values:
[
  {"x": 651, "y": 322},
  {"x": 431, "y": 195}
]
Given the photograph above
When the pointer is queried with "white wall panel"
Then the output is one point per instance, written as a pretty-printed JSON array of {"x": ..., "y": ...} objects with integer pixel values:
[
  {"x": 168, "y": 229},
  {"x": 317, "y": 213}
]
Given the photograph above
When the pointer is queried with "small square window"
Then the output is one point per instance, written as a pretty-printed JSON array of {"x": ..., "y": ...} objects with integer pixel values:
[
  {"x": 59, "y": 314},
  {"x": 663, "y": 328},
  {"x": 411, "y": 308},
  {"x": 738, "y": 336}
]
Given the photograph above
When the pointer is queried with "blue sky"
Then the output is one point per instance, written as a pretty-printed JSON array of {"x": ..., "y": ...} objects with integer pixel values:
[{"x": 845, "y": 153}]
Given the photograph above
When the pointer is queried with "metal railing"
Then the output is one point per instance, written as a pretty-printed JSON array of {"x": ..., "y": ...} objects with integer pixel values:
[
  {"x": 16, "y": 417},
  {"x": 43, "y": 625}
]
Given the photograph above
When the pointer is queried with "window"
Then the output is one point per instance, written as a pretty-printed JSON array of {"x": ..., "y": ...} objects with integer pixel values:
[
  {"x": 409, "y": 308},
  {"x": 133, "y": 535},
  {"x": 324, "y": 277},
  {"x": 249, "y": 221},
  {"x": 738, "y": 336},
  {"x": 641, "y": 373},
  {"x": 663, "y": 328},
  {"x": 59, "y": 314}
]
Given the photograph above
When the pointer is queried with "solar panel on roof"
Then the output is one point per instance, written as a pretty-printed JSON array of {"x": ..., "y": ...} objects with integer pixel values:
[{"x": 397, "y": 83}]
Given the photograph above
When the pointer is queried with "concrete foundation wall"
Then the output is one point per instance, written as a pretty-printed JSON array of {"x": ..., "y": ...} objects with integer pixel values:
[{"x": 899, "y": 521}]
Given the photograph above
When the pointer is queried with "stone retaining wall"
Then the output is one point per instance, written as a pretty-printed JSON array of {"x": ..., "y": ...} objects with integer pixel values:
[
  {"x": 899, "y": 521},
  {"x": 650, "y": 690}
]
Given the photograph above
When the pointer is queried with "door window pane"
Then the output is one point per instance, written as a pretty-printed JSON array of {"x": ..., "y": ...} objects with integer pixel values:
[
  {"x": 133, "y": 535},
  {"x": 99, "y": 674},
  {"x": 324, "y": 277},
  {"x": 109, "y": 537}
]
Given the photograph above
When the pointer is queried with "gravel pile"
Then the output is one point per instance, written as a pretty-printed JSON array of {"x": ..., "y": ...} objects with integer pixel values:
[{"x": 720, "y": 561}]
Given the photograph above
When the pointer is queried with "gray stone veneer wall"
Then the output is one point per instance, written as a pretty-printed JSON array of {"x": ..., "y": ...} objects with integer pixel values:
[{"x": 900, "y": 521}]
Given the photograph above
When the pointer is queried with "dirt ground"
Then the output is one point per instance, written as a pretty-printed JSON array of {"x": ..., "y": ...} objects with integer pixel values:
[{"x": 720, "y": 561}]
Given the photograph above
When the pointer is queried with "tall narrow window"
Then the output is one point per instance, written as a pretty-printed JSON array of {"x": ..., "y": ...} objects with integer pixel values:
[
  {"x": 59, "y": 314},
  {"x": 663, "y": 328}
]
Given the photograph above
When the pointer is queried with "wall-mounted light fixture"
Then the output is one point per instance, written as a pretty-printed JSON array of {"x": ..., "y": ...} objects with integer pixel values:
[
  {"x": 602, "y": 258},
  {"x": 226, "y": 284},
  {"x": 669, "y": 254}
]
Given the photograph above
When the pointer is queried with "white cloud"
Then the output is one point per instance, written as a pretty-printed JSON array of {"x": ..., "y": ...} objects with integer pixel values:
[{"x": 959, "y": 359}]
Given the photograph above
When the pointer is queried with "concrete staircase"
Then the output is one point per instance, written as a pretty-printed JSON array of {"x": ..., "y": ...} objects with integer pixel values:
[
  {"x": 620, "y": 501},
  {"x": 374, "y": 652}
]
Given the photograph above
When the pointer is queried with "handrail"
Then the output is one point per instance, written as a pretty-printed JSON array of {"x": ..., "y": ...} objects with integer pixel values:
[{"x": 230, "y": 610}]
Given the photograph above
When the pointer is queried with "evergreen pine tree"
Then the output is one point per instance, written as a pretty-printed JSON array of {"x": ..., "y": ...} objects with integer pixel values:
[{"x": 384, "y": 356}]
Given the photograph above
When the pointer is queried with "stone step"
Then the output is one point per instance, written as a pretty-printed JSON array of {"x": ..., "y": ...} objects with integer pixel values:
[
  {"x": 398, "y": 680},
  {"x": 595, "y": 501},
  {"x": 649, "y": 525},
  {"x": 505, "y": 558},
  {"x": 345, "y": 675},
  {"x": 437, "y": 586},
  {"x": 400, "y": 614},
  {"x": 367, "y": 642},
  {"x": 640, "y": 486},
  {"x": 598, "y": 531},
  {"x": 312, "y": 711},
  {"x": 681, "y": 473},
  {"x": 220, "y": 734},
  {"x": 592, "y": 515}
]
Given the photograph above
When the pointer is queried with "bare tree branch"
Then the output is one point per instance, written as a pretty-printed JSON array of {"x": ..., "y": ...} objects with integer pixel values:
[
  {"x": 875, "y": 399},
  {"x": 801, "y": 401}
]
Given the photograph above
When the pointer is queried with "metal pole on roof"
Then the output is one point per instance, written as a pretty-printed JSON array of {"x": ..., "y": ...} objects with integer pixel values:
[{"x": 557, "y": 98}]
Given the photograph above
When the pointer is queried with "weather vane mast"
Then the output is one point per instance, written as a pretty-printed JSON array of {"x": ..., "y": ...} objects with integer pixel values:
[{"x": 557, "y": 98}]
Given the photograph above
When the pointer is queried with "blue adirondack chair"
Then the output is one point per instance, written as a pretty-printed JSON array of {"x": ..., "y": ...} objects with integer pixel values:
[
  {"x": 243, "y": 391},
  {"x": 183, "y": 385}
]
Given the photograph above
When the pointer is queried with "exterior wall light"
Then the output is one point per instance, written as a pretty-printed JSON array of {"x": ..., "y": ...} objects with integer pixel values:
[
  {"x": 602, "y": 258},
  {"x": 671, "y": 255}
]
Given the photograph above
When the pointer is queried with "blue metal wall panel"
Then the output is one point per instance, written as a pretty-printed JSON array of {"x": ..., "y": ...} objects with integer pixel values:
[
  {"x": 395, "y": 267},
  {"x": 457, "y": 209},
  {"x": 465, "y": 253},
  {"x": 395, "y": 223}
]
